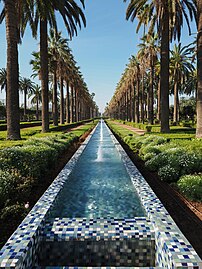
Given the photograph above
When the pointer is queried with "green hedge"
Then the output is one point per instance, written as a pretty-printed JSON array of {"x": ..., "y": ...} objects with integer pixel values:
[
  {"x": 191, "y": 186},
  {"x": 23, "y": 167},
  {"x": 171, "y": 159}
]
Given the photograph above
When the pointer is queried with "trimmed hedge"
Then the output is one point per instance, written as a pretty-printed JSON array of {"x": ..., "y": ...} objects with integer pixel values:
[
  {"x": 23, "y": 167},
  {"x": 171, "y": 159},
  {"x": 191, "y": 186}
]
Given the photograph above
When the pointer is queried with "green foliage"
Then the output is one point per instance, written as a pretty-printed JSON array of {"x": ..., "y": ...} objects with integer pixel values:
[
  {"x": 144, "y": 151},
  {"x": 157, "y": 162},
  {"x": 191, "y": 186},
  {"x": 171, "y": 155},
  {"x": 13, "y": 212},
  {"x": 8, "y": 183},
  {"x": 169, "y": 173},
  {"x": 25, "y": 165},
  {"x": 178, "y": 160},
  {"x": 148, "y": 128}
]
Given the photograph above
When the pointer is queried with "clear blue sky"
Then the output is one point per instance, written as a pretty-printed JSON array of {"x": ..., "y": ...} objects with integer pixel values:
[{"x": 101, "y": 49}]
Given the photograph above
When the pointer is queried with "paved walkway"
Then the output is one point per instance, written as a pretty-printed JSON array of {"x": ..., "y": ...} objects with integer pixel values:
[{"x": 133, "y": 129}]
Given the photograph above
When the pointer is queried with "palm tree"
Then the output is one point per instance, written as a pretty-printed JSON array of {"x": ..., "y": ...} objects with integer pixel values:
[
  {"x": 12, "y": 37},
  {"x": 45, "y": 13},
  {"x": 149, "y": 49},
  {"x": 16, "y": 14},
  {"x": 35, "y": 96},
  {"x": 26, "y": 86},
  {"x": 168, "y": 16},
  {"x": 181, "y": 66},
  {"x": 134, "y": 66},
  {"x": 190, "y": 85},
  {"x": 199, "y": 71},
  {"x": 59, "y": 54},
  {"x": 35, "y": 62}
]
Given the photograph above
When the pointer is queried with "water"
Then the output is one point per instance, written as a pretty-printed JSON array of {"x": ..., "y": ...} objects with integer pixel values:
[{"x": 99, "y": 185}]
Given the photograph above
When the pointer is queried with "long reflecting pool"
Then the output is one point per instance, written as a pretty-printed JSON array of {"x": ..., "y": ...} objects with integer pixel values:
[{"x": 99, "y": 185}]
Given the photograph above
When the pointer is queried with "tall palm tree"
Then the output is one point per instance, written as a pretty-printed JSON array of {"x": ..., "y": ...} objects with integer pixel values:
[
  {"x": 181, "y": 67},
  {"x": 199, "y": 71},
  {"x": 16, "y": 14},
  {"x": 59, "y": 54},
  {"x": 134, "y": 65},
  {"x": 26, "y": 86},
  {"x": 149, "y": 49},
  {"x": 168, "y": 16},
  {"x": 12, "y": 37},
  {"x": 35, "y": 96},
  {"x": 45, "y": 13}
]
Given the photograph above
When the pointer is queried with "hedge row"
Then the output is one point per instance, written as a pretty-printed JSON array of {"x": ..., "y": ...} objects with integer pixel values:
[
  {"x": 177, "y": 161},
  {"x": 24, "y": 167}
]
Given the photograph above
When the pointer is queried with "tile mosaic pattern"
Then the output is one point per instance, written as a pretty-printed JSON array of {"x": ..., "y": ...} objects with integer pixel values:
[
  {"x": 100, "y": 228},
  {"x": 97, "y": 242},
  {"x": 172, "y": 248},
  {"x": 94, "y": 267}
]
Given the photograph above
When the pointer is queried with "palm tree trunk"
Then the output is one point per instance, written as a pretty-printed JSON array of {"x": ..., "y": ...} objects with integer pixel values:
[
  {"x": 199, "y": 72},
  {"x": 131, "y": 104},
  {"x": 164, "y": 74},
  {"x": 137, "y": 96},
  {"x": 37, "y": 109},
  {"x": 151, "y": 95},
  {"x": 175, "y": 114},
  {"x": 67, "y": 103},
  {"x": 158, "y": 102},
  {"x": 12, "y": 96},
  {"x": 55, "y": 103},
  {"x": 142, "y": 99},
  {"x": 72, "y": 104},
  {"x": 76, "y": 105},
  {"x": 61, "y": 101},
  {"x": 44, "y": 74},
  {"x": 25, "y": 104}
]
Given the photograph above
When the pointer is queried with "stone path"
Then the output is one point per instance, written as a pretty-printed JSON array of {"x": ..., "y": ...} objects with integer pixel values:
[{"x": 133, "y": 129}]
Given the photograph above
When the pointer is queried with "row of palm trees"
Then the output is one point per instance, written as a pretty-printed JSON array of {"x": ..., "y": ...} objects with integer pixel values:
[
  {"x": 38, "y": 14},
  {"x": 63, "y": 70},
  {"x": 139, "y": 87},
  {"x": 166, "y": 18},
  {"x": 78, "y": 107}
]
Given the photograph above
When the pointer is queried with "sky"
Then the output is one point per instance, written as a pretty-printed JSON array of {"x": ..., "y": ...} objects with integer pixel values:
[{"x": 102, "y": 49}]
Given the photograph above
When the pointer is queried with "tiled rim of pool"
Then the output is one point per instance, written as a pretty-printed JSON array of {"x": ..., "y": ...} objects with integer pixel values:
[{"x": 172, "y": 248}]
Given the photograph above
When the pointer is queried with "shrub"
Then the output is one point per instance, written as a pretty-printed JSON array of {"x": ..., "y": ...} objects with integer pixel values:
[
  {"x": 178, "y": 159},
  {"x": 136, "y": 143},
  {"x": 149, "y": 149},
  {"x": 157, "y": 162},
  {"x": 149, "y": 156},
  {"x": 128, "y": 138},
  {"x": 148, "y": 128},
  {"x": 156, "y": 140},
  {"x": 191, "y": 186},
  {"x": 13, "y": 212},
  {"x": 169, "y": 173},
  {"x": 8, "y": 183}
]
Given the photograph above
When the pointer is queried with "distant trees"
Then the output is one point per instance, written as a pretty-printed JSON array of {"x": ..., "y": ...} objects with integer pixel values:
[
  {"x": 142, "y": 78},
  {"x": 157, "y": 78},
  {"x": 167, "y": 16}
]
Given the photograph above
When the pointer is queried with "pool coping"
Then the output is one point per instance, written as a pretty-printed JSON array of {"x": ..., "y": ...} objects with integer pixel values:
[{"x": 173, "y": 249}]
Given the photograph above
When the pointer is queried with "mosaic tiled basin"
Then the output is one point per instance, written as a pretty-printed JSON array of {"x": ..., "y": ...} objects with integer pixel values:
[{"x": 150, "y": 241}]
